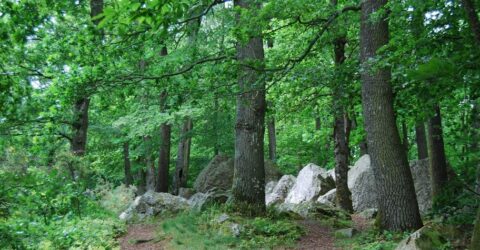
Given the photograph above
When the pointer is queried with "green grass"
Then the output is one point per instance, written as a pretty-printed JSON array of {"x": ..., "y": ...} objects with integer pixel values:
[
  {"x": 371, "y": 240},
  {"x": 201, "y": 230}
]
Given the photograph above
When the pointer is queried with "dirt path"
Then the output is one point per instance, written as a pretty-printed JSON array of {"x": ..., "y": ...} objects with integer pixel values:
[
  {"x": 141, "y": 237},
  {"x": 318, "y": 237}
]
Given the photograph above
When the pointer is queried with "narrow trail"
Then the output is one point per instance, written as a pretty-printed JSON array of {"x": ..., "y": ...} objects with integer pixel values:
[
  {"x": 317, "y": 237},
  {"x": 141, "y": 237}
]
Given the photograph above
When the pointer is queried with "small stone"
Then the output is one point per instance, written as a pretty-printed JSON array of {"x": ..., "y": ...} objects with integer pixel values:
[
  {"x": 369, "y": 213},
  {"x": 236, "y": 229},
  {"x": 345, "y": 233},
  {"x": 222, "y": 218}
]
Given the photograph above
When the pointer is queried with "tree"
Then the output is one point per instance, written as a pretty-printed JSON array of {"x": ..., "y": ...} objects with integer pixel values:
[
  {"x": 421, "y": 140},
  {"x": 127, "y": 164},
  {"x": 342, "y": 151},
  {"x": 438, "y": 162},
  {"x": 249, "y": 174},
  {"x": 164, "y": 154},
  {"x": 183, "y": 156},
  {"x": 397, "y": 202}
]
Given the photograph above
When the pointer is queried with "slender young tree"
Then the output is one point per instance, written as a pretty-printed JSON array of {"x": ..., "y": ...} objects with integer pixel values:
[
  {"x": 249, "y": 174},
  {"x": 397, "y": 203},
  {"x": 421, "y": 140},
  {"x": 183, "y": 156},
  {"x": 127, "y": 164},
  {"x": 164, "y": 151},
  {"x": 342, "y": 151},
  {"x": 438, "y": 162}
]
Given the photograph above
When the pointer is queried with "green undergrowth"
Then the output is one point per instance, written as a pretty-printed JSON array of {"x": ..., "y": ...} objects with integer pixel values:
[
  {"x": 371, "y": 240},
  {"x": 46, "y": 210},
  {"x": 202, "y": 230}
]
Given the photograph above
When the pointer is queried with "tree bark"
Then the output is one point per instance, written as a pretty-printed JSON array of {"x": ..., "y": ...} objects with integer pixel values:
[
  {"x": 421, "y": 140},
  {"x": 475, "y": 244},
  {"x": 341, "y": 150},
  {"x": 272, "y": 140},
  {"x": 472, "y": 18},
  {"x": 80, "y": 126},
  {"x": 438, "y": 162},
  {"x": 249, "y": 173},
  {"x": 397, "y": 202},
  {"x": 150, "y": 165},
  {"x": 183, "y": 156},
  {"x": 405, "y": 136},
  {"x": 164, "y": 154},
  {"x": 127, "y": 164}
]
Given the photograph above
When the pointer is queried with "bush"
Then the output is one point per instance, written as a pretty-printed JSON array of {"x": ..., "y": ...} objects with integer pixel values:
[{"x": 115, "y": 199}]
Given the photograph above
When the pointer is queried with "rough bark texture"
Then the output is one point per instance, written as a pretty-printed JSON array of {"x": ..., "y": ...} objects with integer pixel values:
[
  {"x": 341, "y": 150},
  {"x": 472, "y": 19},
  {"x": 438, "y": 162},
  {"x": 127, "y": 164},
  {"x": 421, "y": 140},
  {"x": 476, "y": 233},
  {"x": 405, "y": 136},
  {"x": 272, "y": 140},
  {"x": 164, "y": 154},
  {"x": 80, "y": 126},
  {"x": 249, "y": 173},
  {"x": 183, "y": 156},
  {"x": 397, "y": 203},
  {"x": 149, "y": 164}
]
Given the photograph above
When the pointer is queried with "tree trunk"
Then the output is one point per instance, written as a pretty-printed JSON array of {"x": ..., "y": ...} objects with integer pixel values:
[
  {"x": 341, "y": 151},
  {"x": 183, "y": 156},
  {"x": 150, "y": 165},
  {"x": 249, "y": 173},
  {"x": 164, "y": 154},
  {"x": 142, "y": 183},
  {"x": 127, "y": 164},
  {"x": 405, "y": 136},
  {"x": 476, "y": 233},
  {"x": 318, "y": 123},
  {"x": 472, "y": 18},
  {"x": 421, "y": 140},
  {"x": 80, "y": 126},
  {"x": 216, "y": 146},
  {"x": 438, "y": 162},
  {"x": 397, "y": 202},
  {"x": 272, "y": 140}
]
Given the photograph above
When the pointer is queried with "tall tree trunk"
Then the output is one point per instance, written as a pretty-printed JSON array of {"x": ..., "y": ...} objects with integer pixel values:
[
  {"x": 397, "y": 202},
  {"x": 405, "y": 137},
  {"x": 142, "y": 183},
  {"x": 216, "y": 146},
  {"x": 438, "y": 162},
  {"x": 421, "y": 140},
  {"x": 164, "y": 154},
  {"x": 472, "y": 18},
  {"x": 272, "y": 140},
  {"x": 476, "y": 233},
  {"x": 341, "y": 150},
  {"x": 183, "y": 156},
  {"x": 150, "y": 165},
  {"x": 318, "y": 123},
  {"x": 249, "y": 173},
  {"x": 80, "y": 126},
  {"x": 127, "y": 164}
]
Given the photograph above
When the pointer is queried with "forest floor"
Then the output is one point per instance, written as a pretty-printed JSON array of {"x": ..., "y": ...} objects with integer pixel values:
[{"x": 143, "y": 237}]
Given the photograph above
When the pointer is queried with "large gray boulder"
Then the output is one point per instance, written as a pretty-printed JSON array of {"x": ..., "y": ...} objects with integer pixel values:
[
  {"x": 426, "y": 238},
  {"x": 312, "y": 181},
  {"x": 422, "y": 182},
  {"x": 361, "y": 183},
  {"x": 152, "y": 204},
  {"x": 201, "y": 201},
  {"x": 328, "y": 198},
  {"x": 218, "y": 174},
  {"x": 278, "y": 193}
]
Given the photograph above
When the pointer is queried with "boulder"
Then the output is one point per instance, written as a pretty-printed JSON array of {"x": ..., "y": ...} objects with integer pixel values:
[
  {"x": 422, "y": 182},
  {"x": 152, "y": 204},
  {"x": 361, "y": 183},
  {"x": 328, "y": 198},
  {"x": 313, "y": 210},
  {"x": 312, "y": 181},
  {"x": 280, "y": 191},
  {"x": 186, "y": 192},
  {"x": 368, "y": 214},
  {"x": 270, "y": 186},
  {"x": 345, "y": 233},
  {"x": 425, "y": 238},
  {"x": 218, "y": 174},
  {"x": 200, "y": 201}
]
